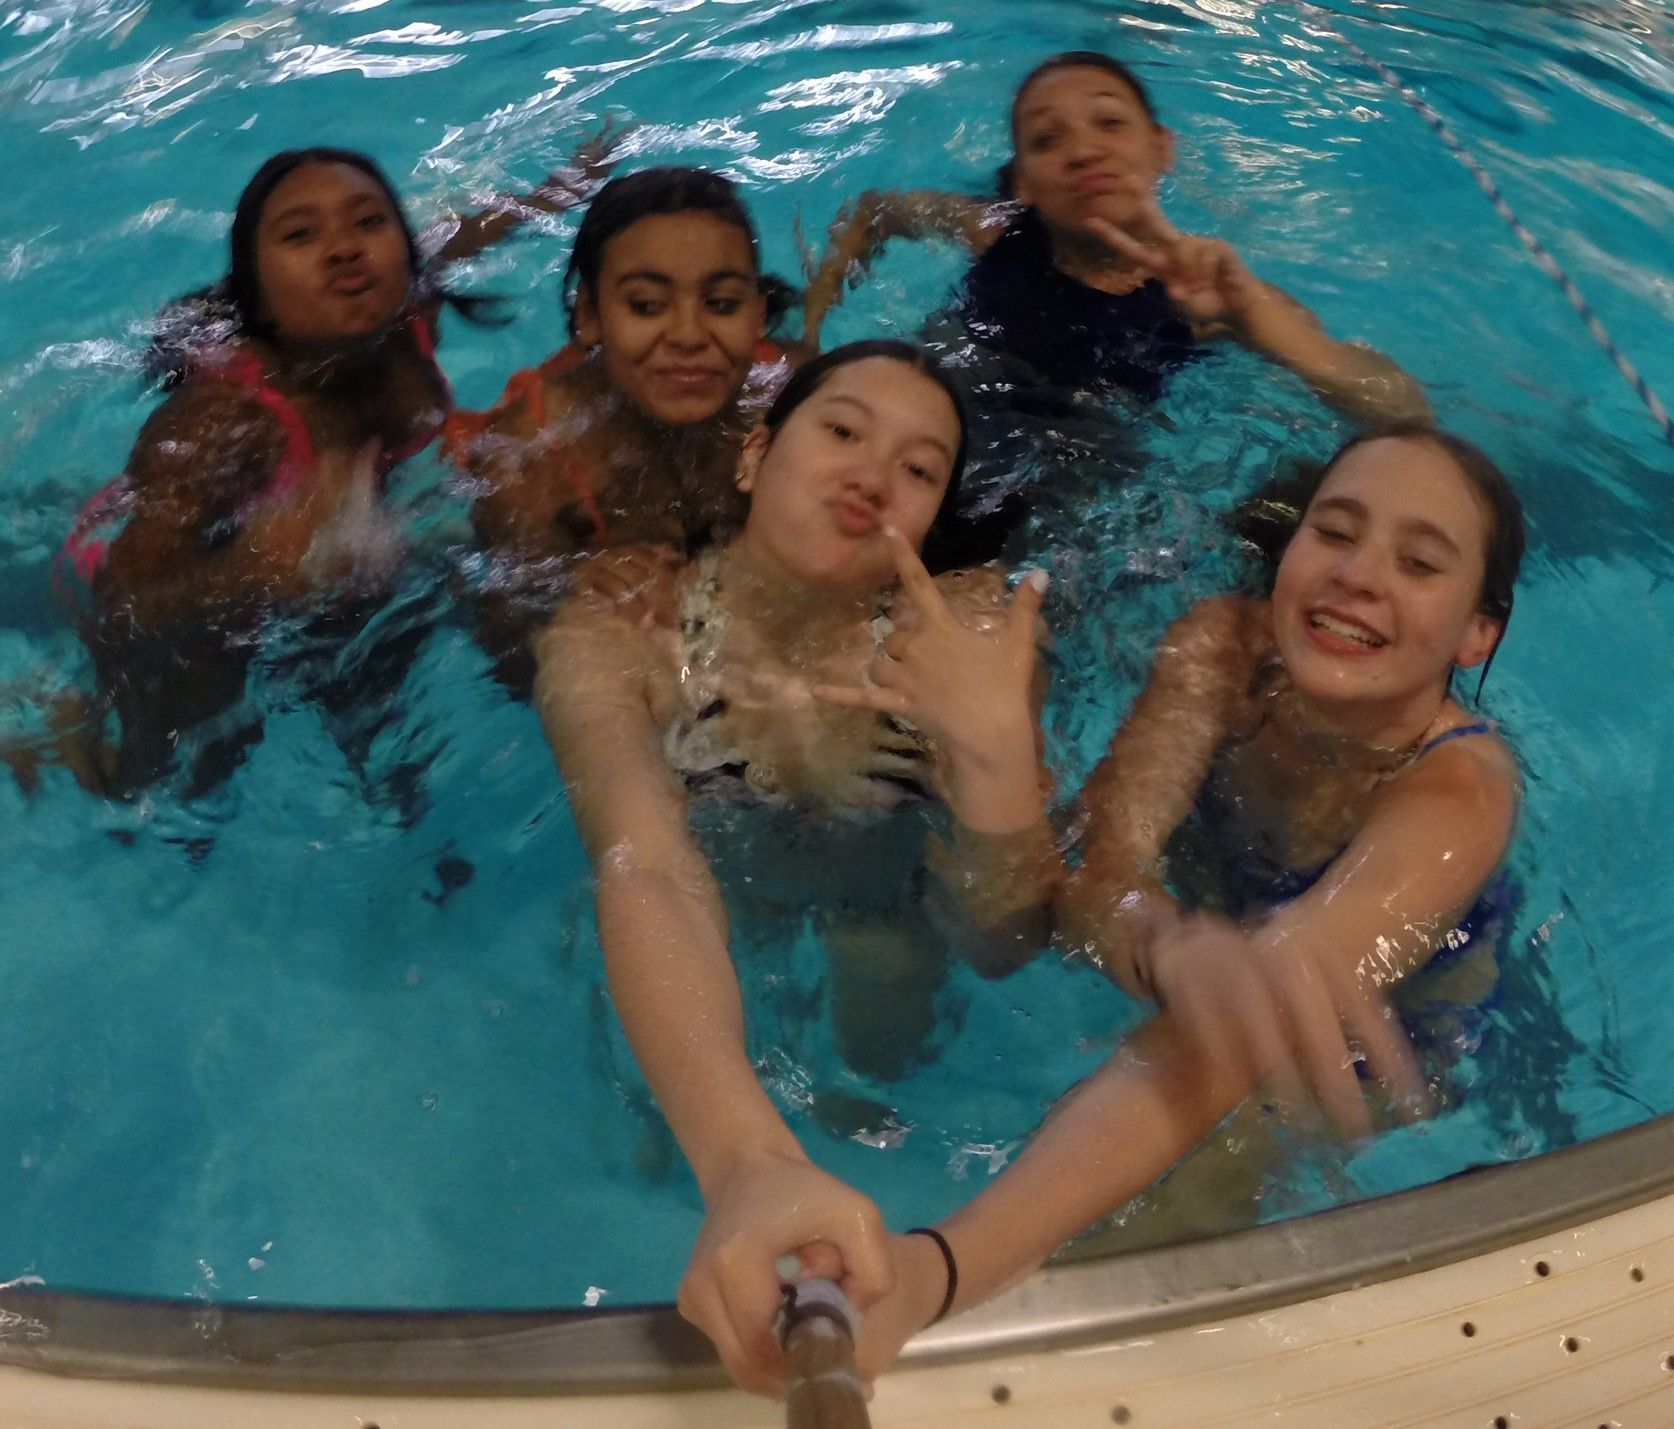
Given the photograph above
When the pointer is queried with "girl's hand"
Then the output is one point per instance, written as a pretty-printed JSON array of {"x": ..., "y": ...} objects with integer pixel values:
[
  {"x": 1265, "y": 1010},
  {"x": 1205, "y": 277},
  {"x": 768, "y": 1205},
  {"x": 966, "y": 687}
]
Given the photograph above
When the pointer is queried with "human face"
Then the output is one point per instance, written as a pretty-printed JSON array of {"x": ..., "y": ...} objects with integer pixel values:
[
  {"x": 1376, "y": 597},
  {"x": 677, "y": 314},
  {"x": 1085, "y": 148},
  {"x": 331, "y": 255},
  {"x": 872, "y": 446}
]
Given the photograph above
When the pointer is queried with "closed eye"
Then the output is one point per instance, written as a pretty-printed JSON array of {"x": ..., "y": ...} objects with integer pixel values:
[
  {"x": 374, "y": 220},
  {"x": 1333, "y": 535},
  {"x": 1419, "y": 566}
]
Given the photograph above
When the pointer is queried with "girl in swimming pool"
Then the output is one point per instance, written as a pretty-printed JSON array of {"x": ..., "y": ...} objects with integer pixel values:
[
  {"x": 1078, "y": 272},
  {"x": 845, "y": 477},
  {"x": 631, "y": 432},
  {"x": 295, "y": 385},
  {"x": 1295, "y": 821}
]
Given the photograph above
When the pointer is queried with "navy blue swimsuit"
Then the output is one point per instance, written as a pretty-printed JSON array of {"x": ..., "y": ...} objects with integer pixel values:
[
  {"x": 1441, "y": 1028},
  {"x": 1074, "y": 335},
  {"x": 1059, "y": 337}
]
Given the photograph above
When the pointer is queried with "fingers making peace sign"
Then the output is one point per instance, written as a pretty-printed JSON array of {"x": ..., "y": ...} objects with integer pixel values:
[
  {"x": 962, "y": 677},
  {"x": 1205, "y": 277}
]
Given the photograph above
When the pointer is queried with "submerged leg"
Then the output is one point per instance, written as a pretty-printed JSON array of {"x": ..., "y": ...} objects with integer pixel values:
[{"x": 884, "y": 981}]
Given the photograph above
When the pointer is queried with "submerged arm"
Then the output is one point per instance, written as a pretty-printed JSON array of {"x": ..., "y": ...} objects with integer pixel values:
[
  {"x": 664, "y": 932},
  {"x": 1000, "y": 865},
  {"x": 1358, "y": 380},
  {"x": 1209, "y": 283},
  {"x": 964, "y": 671},
  {"x": 1143, "y": 789},
  {"x": 864, "y": 227}
]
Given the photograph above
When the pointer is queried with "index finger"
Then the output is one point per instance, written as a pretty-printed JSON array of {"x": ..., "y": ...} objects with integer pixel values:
[
  {"x": 916, "y": 581},
  {"x": 1024, "y": 615},
  {"x": 1150, "y": 211},
  {"x": 1124, "y": 242}
]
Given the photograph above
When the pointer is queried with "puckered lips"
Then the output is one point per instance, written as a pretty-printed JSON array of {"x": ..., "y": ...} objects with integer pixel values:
[
  {"x": 855, "y": 518},
  {"x": 1339, "y": 633},
  {"x": 354, "y": 281}
]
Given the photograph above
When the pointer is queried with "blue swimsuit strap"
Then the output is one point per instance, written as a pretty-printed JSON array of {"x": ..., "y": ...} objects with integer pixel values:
[{"x": 1480, "y": 727}]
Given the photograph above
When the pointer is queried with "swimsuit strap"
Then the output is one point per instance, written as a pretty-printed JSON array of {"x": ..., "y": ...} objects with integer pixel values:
[
  {"x": 1480, "y": 727},
  {"x": 527, "y": 388},
  {"x": 242, "y": 368},
  {"x": 421, "y": 329}
]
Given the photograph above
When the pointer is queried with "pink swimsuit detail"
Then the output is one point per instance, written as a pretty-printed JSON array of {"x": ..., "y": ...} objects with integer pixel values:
[{"x": 87, "y": 547}]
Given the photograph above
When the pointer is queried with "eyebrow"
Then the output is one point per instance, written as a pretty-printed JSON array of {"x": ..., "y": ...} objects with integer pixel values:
[
  {"x": 651, "y": 275},
  {"x": 867, "y": 408},
  {"x": 1037, "y": 109},
  {"x": 309, "y": 210},
  {"x": 1411, "y": 526}
]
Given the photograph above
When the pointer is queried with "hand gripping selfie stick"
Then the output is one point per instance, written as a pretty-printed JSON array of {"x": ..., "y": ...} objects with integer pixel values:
[{"x": 817, "y": 1329}]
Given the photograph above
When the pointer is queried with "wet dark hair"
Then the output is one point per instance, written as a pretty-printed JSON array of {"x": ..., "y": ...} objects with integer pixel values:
[
  {"x": 232, "y": 307},
  {"x": 1069, "y": 59},
  {"x": 1271, "y": 520},
  {"x": 624, "y": 201},
  {"x": 811, "y": 376}
]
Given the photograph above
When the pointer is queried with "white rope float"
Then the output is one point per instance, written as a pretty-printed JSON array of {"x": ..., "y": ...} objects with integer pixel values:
[{"x": 1537, "y": 250}]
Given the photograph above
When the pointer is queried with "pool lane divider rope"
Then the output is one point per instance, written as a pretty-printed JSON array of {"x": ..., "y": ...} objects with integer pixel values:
[{"x": 1537, "y": 250}]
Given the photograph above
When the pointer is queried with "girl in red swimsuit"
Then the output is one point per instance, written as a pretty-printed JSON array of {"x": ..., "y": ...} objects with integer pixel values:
[
  {"x": 295, "y": 385},
  {"x": 631, "y": 432}
]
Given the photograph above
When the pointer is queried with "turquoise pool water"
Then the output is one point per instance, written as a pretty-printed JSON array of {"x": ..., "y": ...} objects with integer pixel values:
[{"x": 255, "y": 1050}]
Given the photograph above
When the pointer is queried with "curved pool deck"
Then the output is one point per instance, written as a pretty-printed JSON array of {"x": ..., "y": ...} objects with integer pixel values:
[{"x": 1539, "y": 1293}]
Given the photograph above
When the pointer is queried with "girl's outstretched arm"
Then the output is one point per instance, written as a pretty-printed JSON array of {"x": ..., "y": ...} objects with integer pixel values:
[
  {"x": 664, "y": 931},
  {"x": 1429, "y": 846},
  {"x": 862, "y": 229},
  {"x": 1207, "y": 280},
  {"x": 564, "y": 188}
]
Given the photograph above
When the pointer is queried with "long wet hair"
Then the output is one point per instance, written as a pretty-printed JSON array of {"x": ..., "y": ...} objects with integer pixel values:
[
  {"x": 231, "y": 308},
  {"x": 1069, "y": 59},
  {"x": 624, "y": 201},
  {"x": 811, "y": 376},
  {"x": 1270, "y": 521}
]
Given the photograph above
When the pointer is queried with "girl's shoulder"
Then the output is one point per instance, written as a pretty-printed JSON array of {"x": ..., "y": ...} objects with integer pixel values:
[
  {"x": 1468, "y": 754},
  {"x": 202, "y": 422}
]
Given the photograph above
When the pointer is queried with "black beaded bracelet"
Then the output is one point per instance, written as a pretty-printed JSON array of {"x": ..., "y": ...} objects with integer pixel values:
[{"x": 952, "y": 1269}]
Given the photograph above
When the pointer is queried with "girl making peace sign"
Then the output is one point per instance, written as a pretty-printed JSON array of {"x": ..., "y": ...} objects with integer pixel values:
[{"x": 1078, "y": 272}]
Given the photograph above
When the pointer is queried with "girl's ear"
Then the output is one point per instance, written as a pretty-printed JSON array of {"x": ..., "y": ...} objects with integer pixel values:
[
  {"x": 587, "y": 327},
  {"x": 1481, "y": 637},
  {"x": 1162, "y": 149},
  {"x": 749, "y": 460}
]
